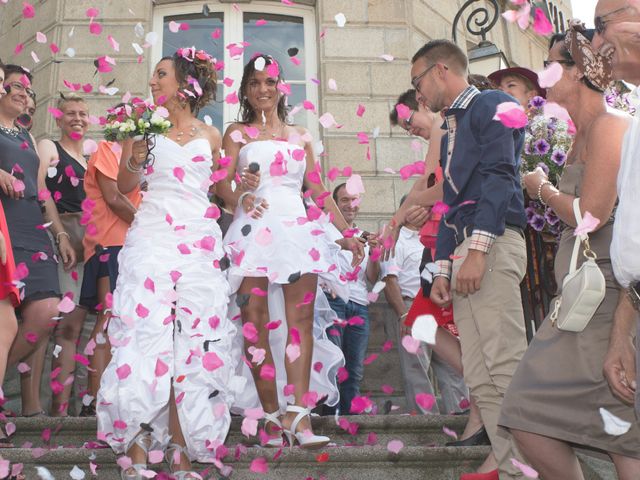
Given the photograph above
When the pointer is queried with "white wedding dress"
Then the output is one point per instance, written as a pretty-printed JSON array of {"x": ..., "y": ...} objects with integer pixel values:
[
  {"x": 170, "y": 325},
  {"x": 283, "y": 245}
]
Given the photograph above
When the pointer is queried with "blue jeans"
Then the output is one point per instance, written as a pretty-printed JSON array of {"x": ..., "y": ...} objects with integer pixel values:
[{"x": 353, "y": 340}]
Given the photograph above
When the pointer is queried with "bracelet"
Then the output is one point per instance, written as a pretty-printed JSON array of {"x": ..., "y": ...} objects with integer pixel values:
[
  {"x": 58, "y": 237},
  {"x": 540, "y": 187},
  {"x": 131, "y": 168},
  {"x": 241, "y": 197}
]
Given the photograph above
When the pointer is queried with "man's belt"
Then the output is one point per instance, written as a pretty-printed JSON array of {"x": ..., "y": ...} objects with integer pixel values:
[
  {"x": 468, "y": 231},
  {"x": 634, "y": 295}
]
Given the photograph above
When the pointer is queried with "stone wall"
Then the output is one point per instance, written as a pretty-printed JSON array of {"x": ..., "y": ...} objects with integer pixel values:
[{"x": 350, "y": 55}]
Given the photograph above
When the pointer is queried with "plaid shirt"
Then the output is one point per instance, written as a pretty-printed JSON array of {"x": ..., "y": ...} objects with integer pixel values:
[{"x": 481, "y": 171}]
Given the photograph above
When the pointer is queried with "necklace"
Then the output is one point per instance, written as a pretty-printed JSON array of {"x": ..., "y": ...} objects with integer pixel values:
[
  {"x": 10, "y": 131},
  {"x": 263, "y": 129},
  {"x": 193, "y": 130}
]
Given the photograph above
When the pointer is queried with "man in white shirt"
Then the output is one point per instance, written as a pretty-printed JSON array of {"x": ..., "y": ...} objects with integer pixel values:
[
  {"x": 618, "y": 33},
  {"x": 401, "y": 274},
  {"x": 352, "y": 335}
]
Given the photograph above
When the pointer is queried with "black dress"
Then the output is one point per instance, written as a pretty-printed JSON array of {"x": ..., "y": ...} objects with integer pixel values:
[
  {"x": 67, "y": 185},
  {"x": 31, "y": 244}
]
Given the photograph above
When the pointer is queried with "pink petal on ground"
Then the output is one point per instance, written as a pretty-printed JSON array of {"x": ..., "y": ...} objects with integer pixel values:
[
  {"x": 259, "y": 465},
  {"x": 394, "y": 446},
  {"x": 249, "y": 427},
  {"x": 388, "y": 389},
  {"x": 550, "y": 76},
  {"x": 451, "y": 433},
  {"x": 27, "y": 10}
]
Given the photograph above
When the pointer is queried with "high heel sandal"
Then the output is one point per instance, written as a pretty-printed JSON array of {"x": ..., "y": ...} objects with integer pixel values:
[
  {"x": 144, "y": 441},
  {"x": 170, "y": 458},
  {"x": 305, "y": 439},
  {"x": 273, "y": 442}
]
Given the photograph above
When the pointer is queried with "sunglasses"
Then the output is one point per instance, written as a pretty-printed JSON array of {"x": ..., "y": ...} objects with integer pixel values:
[
  {"x": 568, "y": 63},
  {"x": 600, "y": 23}
]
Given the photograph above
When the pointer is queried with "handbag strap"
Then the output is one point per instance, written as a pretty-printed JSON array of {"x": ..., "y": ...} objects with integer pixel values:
[{"x": 589, "y": 254}]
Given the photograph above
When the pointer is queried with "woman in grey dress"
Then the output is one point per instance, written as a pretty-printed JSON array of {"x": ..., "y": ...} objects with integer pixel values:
[
  {"x": 556, "y": 394},
  {"x": 23, "y": 194}
]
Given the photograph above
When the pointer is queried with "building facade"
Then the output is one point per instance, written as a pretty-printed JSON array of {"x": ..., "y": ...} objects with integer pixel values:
[{"x": 337, "y": 69}]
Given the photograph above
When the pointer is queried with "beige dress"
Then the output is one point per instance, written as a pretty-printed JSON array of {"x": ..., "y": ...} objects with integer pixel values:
[{"x": 558, "y": 388}]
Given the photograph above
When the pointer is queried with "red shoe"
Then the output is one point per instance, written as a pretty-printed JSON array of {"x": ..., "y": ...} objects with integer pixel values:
[{"x": 492, "y": 475}]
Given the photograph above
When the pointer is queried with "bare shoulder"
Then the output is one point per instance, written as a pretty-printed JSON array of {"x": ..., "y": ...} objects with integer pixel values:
[
  {"x": 213, "y": 134},
  {"x": 610, "y": 123}
]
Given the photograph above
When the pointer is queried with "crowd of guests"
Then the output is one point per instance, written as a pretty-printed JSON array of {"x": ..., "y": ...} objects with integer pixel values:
[{"x": 247, "y": 291}]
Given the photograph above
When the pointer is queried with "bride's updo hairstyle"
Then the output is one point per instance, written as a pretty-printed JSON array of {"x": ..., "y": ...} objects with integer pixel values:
[
  {"x": 247, "y": 113},
  {"x": 196, "y": 74}
]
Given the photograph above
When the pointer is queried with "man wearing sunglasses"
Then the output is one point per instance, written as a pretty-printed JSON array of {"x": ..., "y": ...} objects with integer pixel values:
[
  {"x": 618, "y": 34},
  {"x": 480, "y": 251}
]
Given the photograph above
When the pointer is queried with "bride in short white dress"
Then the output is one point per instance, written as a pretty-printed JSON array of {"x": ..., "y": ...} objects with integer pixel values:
[{"x": 277, "y": 250}]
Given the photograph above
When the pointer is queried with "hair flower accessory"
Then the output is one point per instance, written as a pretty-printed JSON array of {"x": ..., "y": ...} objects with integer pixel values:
[{"x": 191, "y": 54}]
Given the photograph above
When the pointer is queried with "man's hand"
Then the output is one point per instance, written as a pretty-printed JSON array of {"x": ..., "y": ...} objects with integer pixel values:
[
  {"x": 441, "y": 292},
  {"x": 471, "y": 273},
  {"x": 404, "y": 330},
  {"x": 417, "y": 216},
  {"x": 619, "y": 366}
]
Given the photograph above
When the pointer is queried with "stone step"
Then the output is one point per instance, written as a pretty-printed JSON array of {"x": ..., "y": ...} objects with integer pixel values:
[
  {"x": 417, "y": 430},
  {"x": 353, "y": 463}
]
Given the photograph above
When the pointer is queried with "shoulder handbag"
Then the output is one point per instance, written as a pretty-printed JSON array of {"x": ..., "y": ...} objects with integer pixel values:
[{"x": 583, "y": 289}]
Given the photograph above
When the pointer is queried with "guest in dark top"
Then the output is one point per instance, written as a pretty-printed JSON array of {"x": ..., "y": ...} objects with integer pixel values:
[
  {"x": 23, "y": 194},
  {"x": 66, "y": 167},
  {"x": 480, "y": 251}
]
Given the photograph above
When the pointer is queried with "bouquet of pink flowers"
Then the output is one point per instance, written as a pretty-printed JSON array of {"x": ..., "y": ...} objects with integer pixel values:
[
  {"x": 547, "y": 143},
  {"x": 135, "y": 119}
]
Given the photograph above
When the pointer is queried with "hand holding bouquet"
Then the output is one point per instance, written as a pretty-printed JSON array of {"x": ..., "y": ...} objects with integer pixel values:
[{"x": 136, "y": 119}]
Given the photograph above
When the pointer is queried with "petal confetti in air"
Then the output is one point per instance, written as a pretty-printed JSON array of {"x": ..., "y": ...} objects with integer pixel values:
[
  {"x": 526, "y": 470},
  {"x": 410, "y": 344},
  {"x": 551, "y": 75},
  {"x": 425, "y": 400},
  {"x": 511, "y": 115},
  {"x": 424, "y": 329},
  {"x": 588, "y": 224},
  {"x": 541, "y": 24},
  {"x": 613, "y": 425},
  {"x": 354, "y": 185},
  {"x": 340, "y": 19}
]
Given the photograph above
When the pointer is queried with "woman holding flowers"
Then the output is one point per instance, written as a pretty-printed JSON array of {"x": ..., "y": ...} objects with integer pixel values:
[
  {"x": 559, "y": 382},
  {"x": 171, "y": 378}
]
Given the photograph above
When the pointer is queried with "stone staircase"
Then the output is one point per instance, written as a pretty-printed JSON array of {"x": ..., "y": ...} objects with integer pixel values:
[{"x": 66, "y": 447}]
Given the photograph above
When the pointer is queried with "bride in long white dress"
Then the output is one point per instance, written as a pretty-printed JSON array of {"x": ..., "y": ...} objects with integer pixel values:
[
  {"x": 171, "y": 379},
  {"x": 277, "y": 251}
]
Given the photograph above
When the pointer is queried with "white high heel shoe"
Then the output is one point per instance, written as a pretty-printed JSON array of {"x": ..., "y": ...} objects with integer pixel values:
[
  {"x": 305, "y": 439},
  {"x": 145, "y": 442},
  {"x": 273, "y": 442},
  {"x": 170, "y": 458}
]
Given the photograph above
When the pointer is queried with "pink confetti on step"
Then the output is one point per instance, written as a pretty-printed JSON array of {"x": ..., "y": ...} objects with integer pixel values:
[
  {"x": 425, "y": 400},
  {"x": 394, "y": 446}
]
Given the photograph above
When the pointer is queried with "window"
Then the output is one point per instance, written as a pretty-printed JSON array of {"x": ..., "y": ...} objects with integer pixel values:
[{"x": 286, "y": 33}]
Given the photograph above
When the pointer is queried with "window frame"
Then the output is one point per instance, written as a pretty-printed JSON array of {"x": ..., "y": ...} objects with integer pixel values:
[{"x": 234, "y": 33}]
